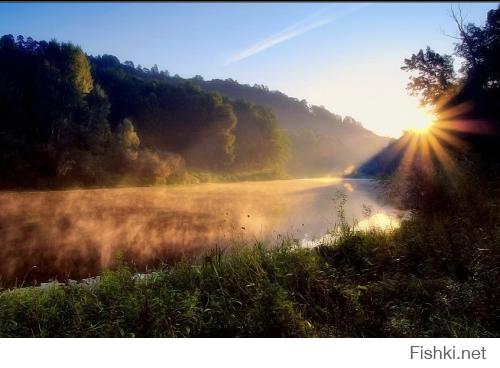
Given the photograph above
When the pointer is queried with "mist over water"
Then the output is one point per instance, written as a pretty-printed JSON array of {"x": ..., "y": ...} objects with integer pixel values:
[{"x": 75, "y": 234}]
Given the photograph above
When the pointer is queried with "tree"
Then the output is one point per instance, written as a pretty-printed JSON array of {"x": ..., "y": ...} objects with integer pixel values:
[
  {"x": 260, "y": 144},
  {"x": 127, "y": 140},
  {"x": 435, "y": 76},
  {"x": 7, "y": 42},
  {"x": 213, "y": 145},
  {"x": 67, "y": 119},
  {"x": 98, "y": 128},
  {"x": 480, "y": 48},
  {"x": 224, "y": 122},
  {"x": 80, "y": 68},
  {"x": 471, "y": 98}
]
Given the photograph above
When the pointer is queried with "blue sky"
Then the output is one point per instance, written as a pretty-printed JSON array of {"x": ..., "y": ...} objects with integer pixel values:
[{"x": 344, "y": 56}]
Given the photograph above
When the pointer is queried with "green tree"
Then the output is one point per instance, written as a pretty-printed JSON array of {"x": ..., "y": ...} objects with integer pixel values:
[
  {"x": 213, "y": 146},
  {"x": 260, "y": 144},
  {"x": 80, "y": 69},
  {"x": 435, "y": 76},
  {"x": 127, "y": 140}
]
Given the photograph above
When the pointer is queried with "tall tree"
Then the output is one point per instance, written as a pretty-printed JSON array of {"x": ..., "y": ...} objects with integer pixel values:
[{"x": 435, "y": 76}]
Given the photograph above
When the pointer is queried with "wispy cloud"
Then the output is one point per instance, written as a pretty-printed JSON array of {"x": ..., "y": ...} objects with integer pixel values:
[{"x": 313, "y": 21}]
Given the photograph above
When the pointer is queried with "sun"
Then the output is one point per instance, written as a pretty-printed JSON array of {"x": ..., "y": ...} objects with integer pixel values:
[{"x": 421, "y": 121}]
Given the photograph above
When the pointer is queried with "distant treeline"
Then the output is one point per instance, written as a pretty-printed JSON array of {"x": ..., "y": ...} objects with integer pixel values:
[{"x": 73, "y": 119}]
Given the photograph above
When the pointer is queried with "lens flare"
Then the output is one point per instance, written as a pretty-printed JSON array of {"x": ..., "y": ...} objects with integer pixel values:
[
  {"x": 435, "y": 136},
  {"x": 422, "y": 121}
]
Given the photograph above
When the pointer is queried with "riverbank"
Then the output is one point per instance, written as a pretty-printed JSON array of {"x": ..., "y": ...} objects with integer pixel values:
[{"x": 415, "y": 281}]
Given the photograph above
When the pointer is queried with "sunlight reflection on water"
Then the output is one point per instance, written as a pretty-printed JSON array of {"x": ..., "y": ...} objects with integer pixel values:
[
  {"x": 377, "y": 222},
  {"x": 380, "y": 221}
]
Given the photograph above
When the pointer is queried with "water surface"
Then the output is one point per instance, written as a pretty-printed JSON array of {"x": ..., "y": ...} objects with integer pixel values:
[{"x": 77, "y": 233}]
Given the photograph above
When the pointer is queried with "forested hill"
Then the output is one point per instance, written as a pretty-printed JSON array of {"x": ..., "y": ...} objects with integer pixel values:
[
  {"x": 322, "y": 142},
  {"x": 73, "y": 119}
]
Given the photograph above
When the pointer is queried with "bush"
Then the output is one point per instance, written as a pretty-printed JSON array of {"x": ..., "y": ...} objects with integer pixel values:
[{"x": 159, "y": 167}]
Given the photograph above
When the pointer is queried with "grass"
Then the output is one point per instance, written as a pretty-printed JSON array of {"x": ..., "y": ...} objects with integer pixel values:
[{"x": 432, "y": 277}]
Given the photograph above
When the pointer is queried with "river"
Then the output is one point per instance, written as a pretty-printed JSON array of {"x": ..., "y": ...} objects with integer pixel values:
[{"x": 77, "y": 233}]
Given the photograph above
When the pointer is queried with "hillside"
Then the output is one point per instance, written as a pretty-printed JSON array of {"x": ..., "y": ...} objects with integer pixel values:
[
  {"x": 385, "y": 162},
  {"x": 322, "y": 142},
  {"x": 71, "y": 119}
]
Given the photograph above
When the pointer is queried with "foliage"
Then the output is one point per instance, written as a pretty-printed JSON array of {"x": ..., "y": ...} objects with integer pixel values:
[
  {"x": 176, "y": 115},
  {"x": 260, "y": 142},
  {"x": 436, "y": 76},
  {"x": 479, "y": 82},
  {"x": 468, "y": 118},
  {"x": 159, "y": 167},
  {"x": 320, "y": 141},
  {"x": 71, "y": 119}
]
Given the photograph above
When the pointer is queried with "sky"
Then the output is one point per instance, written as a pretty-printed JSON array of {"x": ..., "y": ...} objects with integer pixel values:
[{"x": 344, "y": 56}]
